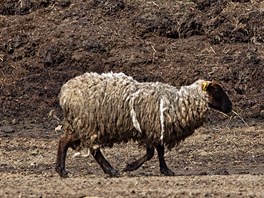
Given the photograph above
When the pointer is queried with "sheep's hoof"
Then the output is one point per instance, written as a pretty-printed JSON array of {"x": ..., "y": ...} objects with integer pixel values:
[
  {"x": 112, "y": 172},
  {"x": 130, "y": 167},
  {"x": 167, "y": 172},
  {"x": 62, "y": 172}
]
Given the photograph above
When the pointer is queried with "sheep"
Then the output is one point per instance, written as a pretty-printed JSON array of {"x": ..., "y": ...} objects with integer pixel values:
[{"x": 101, "y": 110}]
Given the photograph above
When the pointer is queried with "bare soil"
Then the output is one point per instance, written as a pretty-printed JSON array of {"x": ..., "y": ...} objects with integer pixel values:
[
  {"x": 44, "y": 43},
  {"x": 216, "y": 161}
]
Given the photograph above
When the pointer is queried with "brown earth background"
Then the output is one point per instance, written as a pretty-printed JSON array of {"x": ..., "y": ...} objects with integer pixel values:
[{"x": 44, "y": 43}]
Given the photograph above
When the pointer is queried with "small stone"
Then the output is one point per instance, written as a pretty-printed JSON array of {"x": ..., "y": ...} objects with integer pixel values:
[
  {"x": 14, "y": 121},
  {"x": 34, "y": 152},
  {"x": 203, "y": 153},
  {"x": 33, "y": 164},
  {"x": 7, "y": 129},
  {"x": 58, "y": 128},
  {"x": 262, "y": 114}
]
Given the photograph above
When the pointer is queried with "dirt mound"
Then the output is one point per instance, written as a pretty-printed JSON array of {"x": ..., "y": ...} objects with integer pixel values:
[
  {"x": 23, "y": 7},
  {"x": 45, "y": 43}
]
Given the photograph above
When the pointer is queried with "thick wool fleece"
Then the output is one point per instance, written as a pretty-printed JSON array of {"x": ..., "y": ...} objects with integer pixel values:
[{"x": 100, "y": 110}]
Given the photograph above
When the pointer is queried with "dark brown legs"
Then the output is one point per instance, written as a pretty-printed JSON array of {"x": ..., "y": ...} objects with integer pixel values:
[
  {"x": 163, "y": 166},
  {"x": 138, "y": 163},
  {"x": 64, "y": 143},
  {"x": 105, "y": 165},
  {"x": 149, "y": 154},
  {"x": 67, "y": 141}
]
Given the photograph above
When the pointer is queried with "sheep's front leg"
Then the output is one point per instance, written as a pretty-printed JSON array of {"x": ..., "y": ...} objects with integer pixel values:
[
  {"x": 105, "y": 165},
  {"x": 138, "y": 163},
  {"x": 64, "y": 143},
  {"x": 163, "y": 166}
]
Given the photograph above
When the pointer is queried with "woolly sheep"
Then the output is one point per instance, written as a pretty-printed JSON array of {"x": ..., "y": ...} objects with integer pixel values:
[{"x": 100, "y": 110}]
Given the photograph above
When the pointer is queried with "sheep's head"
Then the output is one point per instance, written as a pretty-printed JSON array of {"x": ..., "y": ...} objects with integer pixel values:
[{"x": 218, "y": 98}]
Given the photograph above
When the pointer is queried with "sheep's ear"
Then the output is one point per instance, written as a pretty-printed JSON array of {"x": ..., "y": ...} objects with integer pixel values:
[{"x": 205, "y": 85}]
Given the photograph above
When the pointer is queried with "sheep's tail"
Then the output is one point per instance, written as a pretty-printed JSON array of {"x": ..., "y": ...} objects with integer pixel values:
[{"x": 58, "y": 129}]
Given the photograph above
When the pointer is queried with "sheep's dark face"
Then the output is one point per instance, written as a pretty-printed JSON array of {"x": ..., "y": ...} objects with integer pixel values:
[{"x": 218, "y": 98}]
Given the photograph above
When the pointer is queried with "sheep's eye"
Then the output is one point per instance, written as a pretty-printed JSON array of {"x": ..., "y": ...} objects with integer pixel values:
[{"x": 216, "y": 90}]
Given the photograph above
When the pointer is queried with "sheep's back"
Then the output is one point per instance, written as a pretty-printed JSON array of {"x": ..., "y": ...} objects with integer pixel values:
[{"x": 97, "y": 106}]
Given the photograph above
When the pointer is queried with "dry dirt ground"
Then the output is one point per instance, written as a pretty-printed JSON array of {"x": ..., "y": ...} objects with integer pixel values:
[
  {"x": 44, "y": 43},
  {"x": 215, "y": 162}
]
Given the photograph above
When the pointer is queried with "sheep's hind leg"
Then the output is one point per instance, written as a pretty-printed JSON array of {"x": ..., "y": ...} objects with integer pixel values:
[
  {"x": 138, "y": 163},
  {"x": 64, "y": 143},
  {"x": 163, "y": 166},
  {"x": 105, "y": 165}
]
